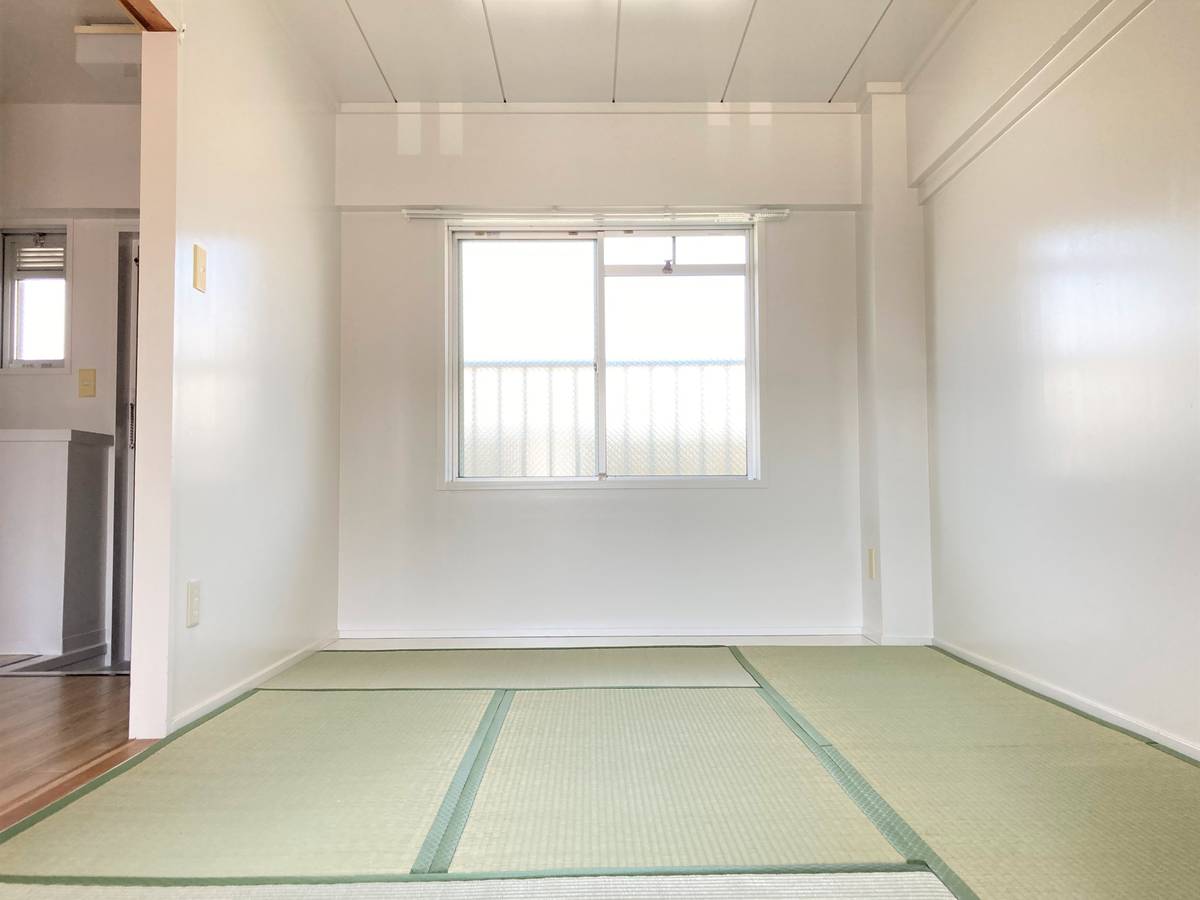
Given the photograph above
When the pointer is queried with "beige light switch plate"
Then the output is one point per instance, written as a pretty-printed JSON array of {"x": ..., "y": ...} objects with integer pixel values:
[
  {"x": 199, "y": 268},
  {"x": 87, "y": 382}
]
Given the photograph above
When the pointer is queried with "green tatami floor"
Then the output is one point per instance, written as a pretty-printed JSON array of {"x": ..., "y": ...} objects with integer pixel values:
[
  {"x": 1021, "y": 797},
  {"x": 639, "y": 772}
]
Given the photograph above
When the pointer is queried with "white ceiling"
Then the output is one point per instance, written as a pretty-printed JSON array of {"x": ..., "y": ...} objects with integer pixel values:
[
  {"x": 602, "y": 50},
  {"x": 37, "y": 53}
]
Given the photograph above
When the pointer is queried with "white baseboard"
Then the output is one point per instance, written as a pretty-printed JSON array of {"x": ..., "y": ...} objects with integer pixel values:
[
  {"x": 553, "y": 637},
  {"x": 221, "y": 698},
  {"x": 1076, "y": 701},
  {"x": 904, "y": 640}
]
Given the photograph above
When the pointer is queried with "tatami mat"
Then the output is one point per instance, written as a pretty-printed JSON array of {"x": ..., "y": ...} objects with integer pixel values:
[
  {"x": 523, "y": 668},
  {"x": 840, "y": 886},
  {"x": 281, "y": 784},
  {"x": 636, "y": 778},
  {"x": 1021, "y": 797}
]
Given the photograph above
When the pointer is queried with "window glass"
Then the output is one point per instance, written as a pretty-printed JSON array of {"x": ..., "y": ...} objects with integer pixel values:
[
  {"x": 675, "y": 350},
  {"x": 710, "y": 249},
  {"x": 527, "y": 398},
  {"x": 39, "y": 319},
  {"x": 637, "y": 250}
]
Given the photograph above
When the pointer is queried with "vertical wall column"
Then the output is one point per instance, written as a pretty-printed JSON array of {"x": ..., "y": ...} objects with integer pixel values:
[
  {"x": 893, "y": 423},
  {"x": 150, "y": 687}
]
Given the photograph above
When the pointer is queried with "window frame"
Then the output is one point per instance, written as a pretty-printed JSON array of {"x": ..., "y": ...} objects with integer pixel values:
[
  {"x": 450, "y": 442},
  {"x": 9, "y": 365}
]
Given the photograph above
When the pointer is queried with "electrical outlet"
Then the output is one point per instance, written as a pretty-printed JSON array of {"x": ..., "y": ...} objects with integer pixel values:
[{"x": 193, "y": 604}]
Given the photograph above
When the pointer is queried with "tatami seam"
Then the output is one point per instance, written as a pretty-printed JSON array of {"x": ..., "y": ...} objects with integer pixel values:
[
  {"x": 437, "y": 852},
  {"x": 882, "y": 815}
]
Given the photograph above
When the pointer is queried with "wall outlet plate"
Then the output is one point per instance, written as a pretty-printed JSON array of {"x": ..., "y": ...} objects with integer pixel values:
[
  {"x": 87, "y": 382},
  {"x": 193, "y": 604}
]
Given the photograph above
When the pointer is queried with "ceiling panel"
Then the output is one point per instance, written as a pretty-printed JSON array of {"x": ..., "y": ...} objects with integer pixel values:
[
  {"x": 432, "y": 50},
  {"x": 798, "y": 50},
  {"x": 905, "y": 30},
  {"x": 327, "y": 31},
  {"x": 678, "y": 50},
  {"x": 550, "y": 51}
]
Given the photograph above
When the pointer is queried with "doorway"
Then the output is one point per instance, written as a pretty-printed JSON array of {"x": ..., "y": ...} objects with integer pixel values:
[{"x": 124, "y": 448}]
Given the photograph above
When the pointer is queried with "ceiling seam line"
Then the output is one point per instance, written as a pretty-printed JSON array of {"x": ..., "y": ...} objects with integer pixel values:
[
  {"x": 861, "y": 50},
  {"x": 616, "y": 52},
  {"x": 371, "y": 50},
  {"x": 492, "y": 42},
  {"x": 738, "y": 54}
]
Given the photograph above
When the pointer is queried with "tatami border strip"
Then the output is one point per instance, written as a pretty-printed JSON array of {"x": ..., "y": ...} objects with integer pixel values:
[
  {"x": 1140, "y": 738},
  {"x": 83, "y": 790},
  {"x": 490, "y": 649},
  {"x": 523, "y": 875},
  {"x": 438, "y": 848},
  {"x": 885, "y": 818},
  {"x": 523, "y": 690}
]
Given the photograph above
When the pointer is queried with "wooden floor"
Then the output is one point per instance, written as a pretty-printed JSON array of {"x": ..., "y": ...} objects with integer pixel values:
[{"x": 52, "y": 725}]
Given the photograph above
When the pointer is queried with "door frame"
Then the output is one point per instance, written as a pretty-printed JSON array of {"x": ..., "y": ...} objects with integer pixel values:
[{"x": 124, "y": 444}]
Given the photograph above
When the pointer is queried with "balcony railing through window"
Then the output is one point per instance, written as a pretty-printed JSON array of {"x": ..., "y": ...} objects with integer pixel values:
[{"x": 663, "y": 418}]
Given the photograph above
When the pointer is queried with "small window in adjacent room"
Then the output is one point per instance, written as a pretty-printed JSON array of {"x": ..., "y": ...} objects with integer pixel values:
[
  {"x": 33, "y": 327},
  {"x": 603, "y": 356}
]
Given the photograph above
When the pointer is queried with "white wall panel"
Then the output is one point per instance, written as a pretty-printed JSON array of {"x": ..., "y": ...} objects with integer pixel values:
[
  {"x": 69, "y": 156},
  {"x": 415, "y": 559},
  {"x": 1065, "y": 297},
  {"x": 525, "y": 160},
  {"x": 239, "y": 464}
]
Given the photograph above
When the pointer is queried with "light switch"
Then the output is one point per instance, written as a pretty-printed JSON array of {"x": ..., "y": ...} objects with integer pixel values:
[
  {"x": 87, "y": 382},
  {"x": 199, "y": 268},
  {"x": 872, "y": 564},
  {"x": 193, "y": 604}
]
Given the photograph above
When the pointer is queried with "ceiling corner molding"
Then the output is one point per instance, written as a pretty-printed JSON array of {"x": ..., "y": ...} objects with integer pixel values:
[
  {"x": 1076, "y": 47},
  {"x": 146, "y": 14}
]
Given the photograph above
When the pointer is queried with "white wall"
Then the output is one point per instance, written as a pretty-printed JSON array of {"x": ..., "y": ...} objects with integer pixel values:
[
  {"x": 622, "y": 155},
  {"x": 894, "y": 463},
  {"x": 418, "y": 560},
  {"x": 51, "y": 399},
  {"x": 72, "y": 156},
  {"x": 1064, "y": 296},
  {"x": 251, "y": 460}
]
